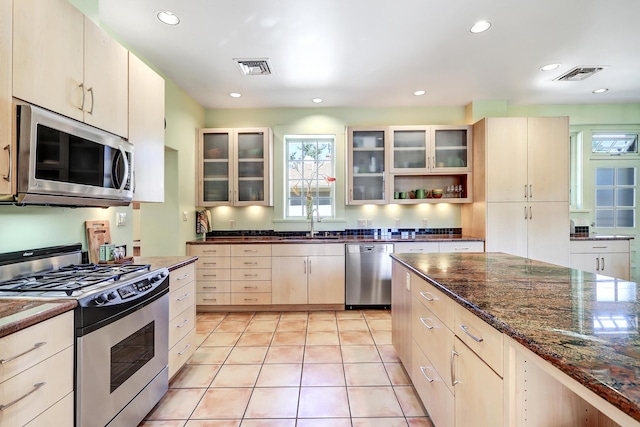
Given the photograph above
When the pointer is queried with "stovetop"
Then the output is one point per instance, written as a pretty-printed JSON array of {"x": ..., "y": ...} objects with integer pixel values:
[{"x": 72, "y": 279}]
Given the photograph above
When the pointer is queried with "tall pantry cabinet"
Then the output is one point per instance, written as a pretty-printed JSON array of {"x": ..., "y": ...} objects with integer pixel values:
[{"x": 521, "y": 187}]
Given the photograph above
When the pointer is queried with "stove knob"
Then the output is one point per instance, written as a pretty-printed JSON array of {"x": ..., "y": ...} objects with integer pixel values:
[
  {"x": 101, "y": 299},
  {"x": 111, "y": 296},
  {"x": 154, "y": 279}
]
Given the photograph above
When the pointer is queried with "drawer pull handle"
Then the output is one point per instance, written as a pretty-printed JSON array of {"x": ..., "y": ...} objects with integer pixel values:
[
  {"x": 183, "y": 297},
  {"x": 600, "y": 247},
  {"x": 251, "y": 287},
  {"x": 428, "y": 296},
  {"x": 416, "y": 250},
  {"x": 454, "y": 381},
  {"x": 250, "y": 250},
  {"x": 209, "y": 275},
  {"x": 35, "y": 346},
  {"x": 210, "y": 299},
  {"x": 423, "y": 369},
  {"x": 184, "y": 322},
  {"x": 423, "y": 321},
  {"x": 210, "y": 251},
  {"x": 466, "y": 331},
  {"x": 183, "y": 277},
  {"x": 35, "y": 387},
  {"x": 250, "y": 263},
  {"x": 460, "y": 249},
  {"x": 250, "y": 275},
  {"x": 180, "y": 353},
  {"x": 251, "y": 299},
  {"x": 209, "y": 263},
  {"x": 209, "y": 287}
]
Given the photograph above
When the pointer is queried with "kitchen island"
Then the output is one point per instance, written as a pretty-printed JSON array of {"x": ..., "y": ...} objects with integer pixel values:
[{"x": 566, "y": 339}]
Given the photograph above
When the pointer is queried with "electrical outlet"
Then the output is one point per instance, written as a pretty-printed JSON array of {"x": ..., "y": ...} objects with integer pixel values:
[
  {"x": 425, "y": 222},
  {"x": 369, "y": 223},
  {"x": 232, "y": 223},
  {"x": 397, "y": 221},
  {"x": 362, "y": 223},
  {"x": 121, "y": 219},
  {"x": 185, "y": 216}
]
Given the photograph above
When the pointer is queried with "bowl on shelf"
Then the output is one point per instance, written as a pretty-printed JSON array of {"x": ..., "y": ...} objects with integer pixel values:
[
  {"x": 214, "y": 153},
  {"x": 436, "y": 193}
]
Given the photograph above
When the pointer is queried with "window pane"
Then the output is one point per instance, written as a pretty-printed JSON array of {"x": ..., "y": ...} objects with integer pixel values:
[
  {"x": 604, "y": 218},
  {"x": 604, "y": 197},
  {"x": 604, "y": 176},
  {"x": 625, "y": 218},
  {"x": 626, "y": 176},
  {"x": 614, "y": 144},
  {"x": 625, "y": 197}
]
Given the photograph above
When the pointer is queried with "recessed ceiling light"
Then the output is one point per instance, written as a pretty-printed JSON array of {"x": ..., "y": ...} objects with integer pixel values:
[
  {"x": 168, "y": 18},
  {"x": 419, "y": 92},
  {"x": 551, "y": 67},
  {"x": 601, "y": 90},
  {"x": 480, "y": 26},
  {"x": 235, "y": 95},
  {"x": 317, "y": 100}
]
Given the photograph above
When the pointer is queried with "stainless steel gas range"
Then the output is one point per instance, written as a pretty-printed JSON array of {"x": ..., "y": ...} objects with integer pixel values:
[{"x": 121, "y": 328}]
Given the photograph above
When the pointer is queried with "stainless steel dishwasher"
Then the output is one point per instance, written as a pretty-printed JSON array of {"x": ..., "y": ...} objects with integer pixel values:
[{"x": 368, "y": 275}]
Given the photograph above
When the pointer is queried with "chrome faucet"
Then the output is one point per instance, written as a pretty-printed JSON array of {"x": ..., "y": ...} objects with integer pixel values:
[{"x": 310, "y": 217}]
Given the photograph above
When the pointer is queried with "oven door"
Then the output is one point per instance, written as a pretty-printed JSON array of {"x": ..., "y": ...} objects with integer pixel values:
[{"x": 117, "y": 362}]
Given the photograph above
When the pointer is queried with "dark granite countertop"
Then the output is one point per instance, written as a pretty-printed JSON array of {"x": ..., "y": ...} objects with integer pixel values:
[
  {"x": 170, "y": 262},
  {"x": 20, "y": 313},
  {"x": 333, "y": 239},
  {"x": 587, "y": 236},
  {"x": 568, "y": 317}
]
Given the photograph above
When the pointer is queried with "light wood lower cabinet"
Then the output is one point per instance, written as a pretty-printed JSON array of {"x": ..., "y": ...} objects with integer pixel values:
[
  {"x": 308, "y": 274},
  {"x": 213, "y": 274},
  {"x": 401, "y": 313},
  {"x": 182, "y": 316},
  {"x": 250, "y": 274},
  {"x": 602, "y": 256},
  {"x": 36, "y": 376}
]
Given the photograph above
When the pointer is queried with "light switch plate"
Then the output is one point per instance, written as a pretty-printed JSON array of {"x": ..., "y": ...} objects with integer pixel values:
[
  {"x": 232, "y": 223},
  {"x": 362, "y": 223},
  {"x": 121, "y": 219},
  {"x": 185, "y": 216},
  {"x": 425, "y": 222},
  {"x": 407, "y": 281}
]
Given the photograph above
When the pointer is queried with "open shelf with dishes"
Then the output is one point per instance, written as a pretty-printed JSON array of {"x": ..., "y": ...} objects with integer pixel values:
[{"x": 413, "y": 189}]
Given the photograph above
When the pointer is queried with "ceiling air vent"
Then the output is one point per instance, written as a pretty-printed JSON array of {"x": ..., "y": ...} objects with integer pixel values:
[
  {"x": 577, "y": 74},
  {"x": 254, "y": 67}
]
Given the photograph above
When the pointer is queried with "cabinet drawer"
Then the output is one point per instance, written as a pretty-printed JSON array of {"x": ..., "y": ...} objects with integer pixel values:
[
  {"x": 251, "y": 286},
  {"x": 253, "y": 262},
  {"x": 56, "y": 334},
  {"x": 181, "y": 352},
  {"x": 182, "y": 275},
  {"x": 248, "y": 298},
  {"x": 415, "y": 247},
  {"x": 462, "y": 246},
  {"x": 213, "y": 274},
  {"x": 213, "y": 262},
  {"x": 434, "y": 299},
  {"x": 434, "y": 339},
  {"x": 251, "y": 250},
  {"x": 253, "y": 274},
  {"x": 598, "y": 246},
  {"x": 60, "y": 414},
  {"x": 435, "y": 395},
  {"x": 480, "y": 337},
  {"x": 213, "y": 298},
  {"x": 181, "y": 299},
  {"x": 56, "y": 373},
  {"x": 217, "y": 286},
  {"x": 210, "y": 250},
  {"x": 308, "y": 249},
  {"x": 181, "y": 325}
]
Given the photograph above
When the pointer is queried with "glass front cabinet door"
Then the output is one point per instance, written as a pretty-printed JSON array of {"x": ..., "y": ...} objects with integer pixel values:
[
  {"x": 430, "y": 149},
  {"x": 367, "y": 166},
  {"x": 234, "y": 167}
]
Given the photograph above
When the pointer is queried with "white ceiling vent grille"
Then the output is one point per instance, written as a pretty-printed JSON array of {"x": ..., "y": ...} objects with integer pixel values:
[
  {"x": 577, "y": 74},
  {"x": 254, "y": 67}
]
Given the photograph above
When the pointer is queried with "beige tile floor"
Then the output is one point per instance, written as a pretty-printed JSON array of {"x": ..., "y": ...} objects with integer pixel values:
[{"x": 304, "y": 369}]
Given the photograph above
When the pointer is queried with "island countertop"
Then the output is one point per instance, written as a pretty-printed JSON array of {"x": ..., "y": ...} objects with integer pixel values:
[{"x": 586, "y": 325}]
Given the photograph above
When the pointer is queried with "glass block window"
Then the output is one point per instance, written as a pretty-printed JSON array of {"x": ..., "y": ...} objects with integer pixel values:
[
  {"x": 309, "y": 175},
  {"x": 615, "y": 144},
  {"x": 615, "y": 197}
]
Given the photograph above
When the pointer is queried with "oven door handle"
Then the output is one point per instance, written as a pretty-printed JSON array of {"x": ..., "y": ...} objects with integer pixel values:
[{"x": 35, "y": 346}]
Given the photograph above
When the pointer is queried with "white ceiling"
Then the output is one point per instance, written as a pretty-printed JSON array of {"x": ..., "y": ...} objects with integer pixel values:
[{"x": 376, "y": 53}]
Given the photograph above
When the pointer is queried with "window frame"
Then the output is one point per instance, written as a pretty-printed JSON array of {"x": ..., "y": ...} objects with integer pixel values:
[{"x": 615, "y": 187}]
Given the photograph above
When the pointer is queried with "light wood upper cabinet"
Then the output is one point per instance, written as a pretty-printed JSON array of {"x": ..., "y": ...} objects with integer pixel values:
[
  {"x": 146, "y": 130},
  {"x": 234, "y": 167},
  {"x": 63, "y": 62},
  {"x": 7, "y": 175},
  {"x": 367, "y": 166},
  {"x": 506, "y": 158}
]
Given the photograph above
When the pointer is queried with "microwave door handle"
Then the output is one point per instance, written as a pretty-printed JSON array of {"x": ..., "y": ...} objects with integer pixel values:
[{"x": 123, "y": 156}]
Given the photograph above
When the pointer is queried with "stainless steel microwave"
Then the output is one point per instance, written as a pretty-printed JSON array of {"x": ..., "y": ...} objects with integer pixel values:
[{"x": 63, "y": 162}]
